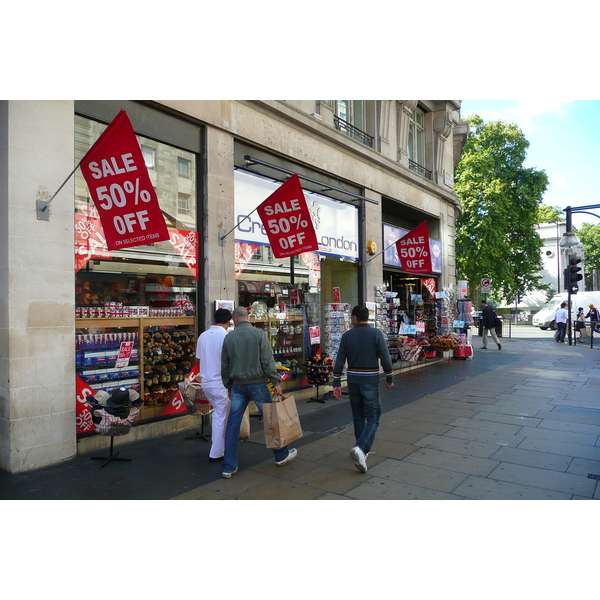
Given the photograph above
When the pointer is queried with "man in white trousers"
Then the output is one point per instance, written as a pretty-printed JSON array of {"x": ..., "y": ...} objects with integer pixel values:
[{"x": 208, "y": 353}]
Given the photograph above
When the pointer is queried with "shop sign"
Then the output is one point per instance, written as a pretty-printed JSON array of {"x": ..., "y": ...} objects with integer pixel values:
[
  {"x": 335, "y": 223},
  {"x": 119, "y": 184},
  {"x": 315, "y": 334},
  {"x": 390, "y": 255},
  {"x": 177, "y": 404},
  {"x": 287, "y": 220},
  {"x": 429, "y": 283},
  {"x": 413, "y": 250},
  {"x": 125, "y": 350},
  {"x": 83, "y": 411},
  {"x": 337, "y": 295}
]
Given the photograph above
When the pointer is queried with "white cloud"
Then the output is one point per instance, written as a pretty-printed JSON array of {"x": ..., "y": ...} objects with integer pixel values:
[
  {"x": 559, "y": 181},
  {"x": 524, "y": 112}
]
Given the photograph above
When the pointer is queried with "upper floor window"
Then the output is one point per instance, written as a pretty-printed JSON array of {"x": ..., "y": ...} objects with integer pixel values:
[
  {"x": 149, "y": 155},
  {"x": 351, "y": 119},
  {"x": 416, "y": 137},
  {"x": 183, "y": 167},
  {"x": 183, "y": 204}
]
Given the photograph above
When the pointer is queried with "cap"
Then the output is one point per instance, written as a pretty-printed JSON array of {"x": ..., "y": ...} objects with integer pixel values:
[
  {"x": 590, "y": 304},
  {"x": 119, "y": 398}
]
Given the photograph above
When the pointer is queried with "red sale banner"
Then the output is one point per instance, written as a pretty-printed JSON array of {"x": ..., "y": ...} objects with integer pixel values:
[
  {"x": 243, "y": 255},
  {"x": 120, "y": 187},
  {"x": 83, "y": 413},
  {"x": 413, "y": 250},
  {"x": 286, "y": 218},
  {"x": 429, "y": 283},
  {"x": 89, "y": 236},
  {"x": 186, "y": 244},
  {"x": 177, "y": 405}
]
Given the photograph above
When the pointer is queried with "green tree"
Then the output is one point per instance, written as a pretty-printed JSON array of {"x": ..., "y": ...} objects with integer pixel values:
[
  {"x": 590, "y": 238},
  {"x": 496, "y": 233},
  {"x": 550, "y": 214}
]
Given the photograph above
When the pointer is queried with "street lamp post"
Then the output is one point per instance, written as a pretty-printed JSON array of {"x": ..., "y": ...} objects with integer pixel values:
[{"x": 568, "y": 241}]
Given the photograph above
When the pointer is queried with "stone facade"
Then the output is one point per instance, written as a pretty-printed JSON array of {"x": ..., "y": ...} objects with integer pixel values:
[{"x": 37, "y": 301}]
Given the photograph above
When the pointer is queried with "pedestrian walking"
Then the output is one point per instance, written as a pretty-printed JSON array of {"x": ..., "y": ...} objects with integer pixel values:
[
  {"x": 488, "y": 319},
  {"x": 208, "y": 354},
  {"x": 247, "y": 364},
  {"x": 560, "y": 317},
  {"x": 594, "y": 316},
  {"x": 363, "y": 347},
  {"x": 579, "y": 322}
]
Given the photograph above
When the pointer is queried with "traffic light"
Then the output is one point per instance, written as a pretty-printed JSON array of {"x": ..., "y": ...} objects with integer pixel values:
[{"x": 572, "y": 275}]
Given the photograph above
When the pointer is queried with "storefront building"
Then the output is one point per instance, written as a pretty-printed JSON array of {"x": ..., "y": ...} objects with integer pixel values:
[{"x": 370, "y": 170}]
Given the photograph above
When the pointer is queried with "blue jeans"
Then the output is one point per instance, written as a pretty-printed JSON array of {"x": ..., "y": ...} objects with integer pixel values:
[
  {"x": 366, "y": 410},
  {"x": 562, "y": 330},
  {"x": 241, "y": 395}
]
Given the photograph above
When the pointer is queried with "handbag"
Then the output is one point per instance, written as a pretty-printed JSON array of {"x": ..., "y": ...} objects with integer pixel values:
[{"x": 281, "y": 422}]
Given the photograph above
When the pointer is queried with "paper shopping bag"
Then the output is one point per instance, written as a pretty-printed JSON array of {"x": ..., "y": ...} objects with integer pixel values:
[
  {"x": 281, "y": 421},
  {"x": 244, "y": 425}
]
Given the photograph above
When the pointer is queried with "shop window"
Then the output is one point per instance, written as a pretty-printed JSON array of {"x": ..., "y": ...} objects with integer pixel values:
[{"x": 145, "y": 295}]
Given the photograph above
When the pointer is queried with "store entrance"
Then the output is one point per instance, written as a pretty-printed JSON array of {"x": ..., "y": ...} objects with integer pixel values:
[{"x": 413, "y": 299}]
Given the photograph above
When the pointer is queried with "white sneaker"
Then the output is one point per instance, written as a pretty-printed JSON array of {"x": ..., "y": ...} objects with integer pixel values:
[
  {"x": 228, "y": 475},
  {"x": 290, "y": 457},
  {"x": 359, "y": 458}
]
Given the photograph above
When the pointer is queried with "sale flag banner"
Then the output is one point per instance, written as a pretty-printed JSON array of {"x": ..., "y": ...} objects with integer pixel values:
[
  {"x": 89, "y": 235},
  {"x": 186, "y": 244},
  {"x": 83, "y": 411},
  {"x": 413, "y": 250},
  {"x": 286, "y": 218},
  {"x": 119, "y": 184}
]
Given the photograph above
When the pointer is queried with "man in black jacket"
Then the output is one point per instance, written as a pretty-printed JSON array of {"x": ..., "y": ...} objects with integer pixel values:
[
  {"x": 363, "y": 347},
  {"x": 488, "y": 317}
]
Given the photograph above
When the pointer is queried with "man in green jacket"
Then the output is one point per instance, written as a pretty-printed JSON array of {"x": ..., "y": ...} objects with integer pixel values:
[
  {"x": 363, "y": 347},
  {"x": 247, "y": 364}
]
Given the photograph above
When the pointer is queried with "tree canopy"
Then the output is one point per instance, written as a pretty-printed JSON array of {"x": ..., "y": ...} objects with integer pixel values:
[
  {"x": 589, "y": 236},
  {"x": 496, "y": 234},
  {"x": 550, "y": 214}
]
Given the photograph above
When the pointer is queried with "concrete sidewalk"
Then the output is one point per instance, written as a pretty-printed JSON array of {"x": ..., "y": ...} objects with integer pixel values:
[
  {"x": 526, "y": 428},
  {"x": 520, "y": 423}
]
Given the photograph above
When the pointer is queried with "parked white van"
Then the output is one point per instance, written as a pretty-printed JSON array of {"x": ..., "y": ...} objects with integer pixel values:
[{"x": 544, "y": 319}]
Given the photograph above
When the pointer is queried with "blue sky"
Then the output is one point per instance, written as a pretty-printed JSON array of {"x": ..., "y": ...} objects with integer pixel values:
[{"x": 564, "y": 136}]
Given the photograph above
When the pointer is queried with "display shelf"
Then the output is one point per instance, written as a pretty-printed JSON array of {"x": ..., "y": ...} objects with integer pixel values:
[
  {"x": 163, "y": 353},
  {"x": 286, "y": 337}
]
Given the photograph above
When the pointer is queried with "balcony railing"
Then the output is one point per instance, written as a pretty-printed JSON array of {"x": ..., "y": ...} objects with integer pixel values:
[
  {"x": 353, "y": 132},
  {"x": 419, "y": 170}
]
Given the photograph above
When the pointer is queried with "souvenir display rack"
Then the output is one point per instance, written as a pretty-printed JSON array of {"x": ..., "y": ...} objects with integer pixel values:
[
  {"x": 163, "y": 354},
  {"x": 337, "y": 321},
  {"x": 286, "y": 337}
]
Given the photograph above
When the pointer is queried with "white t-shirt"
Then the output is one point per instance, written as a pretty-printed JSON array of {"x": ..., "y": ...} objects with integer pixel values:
[
  {"x": 208, "y": 351},
  {"x": 561, "y": 315}
]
